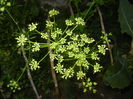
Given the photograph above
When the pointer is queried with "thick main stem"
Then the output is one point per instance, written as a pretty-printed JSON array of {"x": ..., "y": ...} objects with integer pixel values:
[
  {"x": 103, "y": 30},
  {"x": 70, "y": 8},
  {"x": 29, "y": 74},
  {"x": 53, "y": 73}
]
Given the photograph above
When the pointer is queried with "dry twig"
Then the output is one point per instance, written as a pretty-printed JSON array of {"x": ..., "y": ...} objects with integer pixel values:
[
  {"x": 29, "y": 74},
  {"x": 103, "y": 30}
]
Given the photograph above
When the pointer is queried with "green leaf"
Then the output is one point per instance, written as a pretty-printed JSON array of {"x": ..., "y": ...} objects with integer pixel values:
[
  {"x": 118, "y": 76},
  {"x": 126, "y": 17}
]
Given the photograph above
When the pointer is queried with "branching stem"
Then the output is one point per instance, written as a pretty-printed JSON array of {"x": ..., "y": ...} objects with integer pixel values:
[
  {"x": 70, "y": 8},
  {"x": 29, "y": 74},
  {"x": 103, "y": 30},
  {"x": 53, "y": 72}
]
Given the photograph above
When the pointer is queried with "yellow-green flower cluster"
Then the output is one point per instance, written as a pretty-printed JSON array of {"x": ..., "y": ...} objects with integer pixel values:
[
  {"x": 34, "y": 64},
  {"x": 13, "y": 85},
  {"x": 88, "y": 85},
  {"x": 35, "y": 47},
  {"x": 94, "y": 56},
  {"x": 102, "y": 49},
  {"x": 59, "y": 68},
  {"x": 79, "y": 21},
  {"x": 80, "y": 75},
  {"x": 53, "y": 13},
  {"x": 81, "y": 59},
  {"x": 32, "y": 26},
  {"x": 54, "y": 45},
  {"x": 44, "y": 35},
  {"x": 105, "y": 37},
  {"x": 49, "y": 24},
  {"x": 67, "y": 73},
  {"x": 74, "y": 37},
  {"x": 53, "y": 56},
  {"x": 69, "y": 22},
  {"x": 86, "y": 39},
  {"x": 4, "y": 4},
  {"x": 86, "y": 50},
  {"x": 56, "y": 33},
  {"x": 97, "y": 68},
  {"x": 69, "y": 45},
  {"x": 69, "y": 32},
  {"x": 59, "y": 58},
  {"x": 78, "y": 47},
  {"x": 21, "y": 40}
]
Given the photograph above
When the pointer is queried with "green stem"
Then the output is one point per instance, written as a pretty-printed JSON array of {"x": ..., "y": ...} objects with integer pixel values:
[
  {"x": 74, "y": 64},
  {"x": 91, "y": 65},
  {"x": 74, "y": 27},
  {"x": 71, "y": 30},
  {"x": 40, "y": 34},
  {"x": 89, "y": 9},
  {"x": 64, "y": 32},
  {"x": 46, "y": 44},
  {"x": 103, "y": 30},
  {"x": 68, "y": 59},
  {"x": 93, "y": 48},
  {"x": 97, "y": 43},
  {"x": 21, "y": 73},
  {"x": 13, "y": 19},
  {"x": 44, "y": 57}
]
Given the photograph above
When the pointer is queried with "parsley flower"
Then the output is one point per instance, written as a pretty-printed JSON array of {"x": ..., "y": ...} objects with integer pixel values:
[
  {"x": 35, "y": 47},
  {"x": 86, "y": 50},
  {"x": 69, "y": 32},
  {"x": 58, "y": 31},
  {"x": 32, "y": 26},
  {"x": 53, "y": 13},
  {"x": 94, "y": 56},
  {"x": 53, "y": 45},
  {"x": 80, "y": 75},
  {"x": 68, "y": 73},
  {"x": 34, "y": 64},
  {"x": 44, "y": 35},
  {"x": 79, "y": 21},
  {"x": 59, "y": 58},
  {"x": 53, "y": 56},
  {"x": 21, "y": 40},
  {"x": 49, "y": 24},
  {"x": 102, "y": 49},
  {"x": 69, "y": 22},
  {"x": 13, "y": 85},
  {"x": 59, "y": 68},
  {"x": 84, "y": 38},
  {"x": 97, "y": 68},
  {"x": 90, "y": 40}
]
